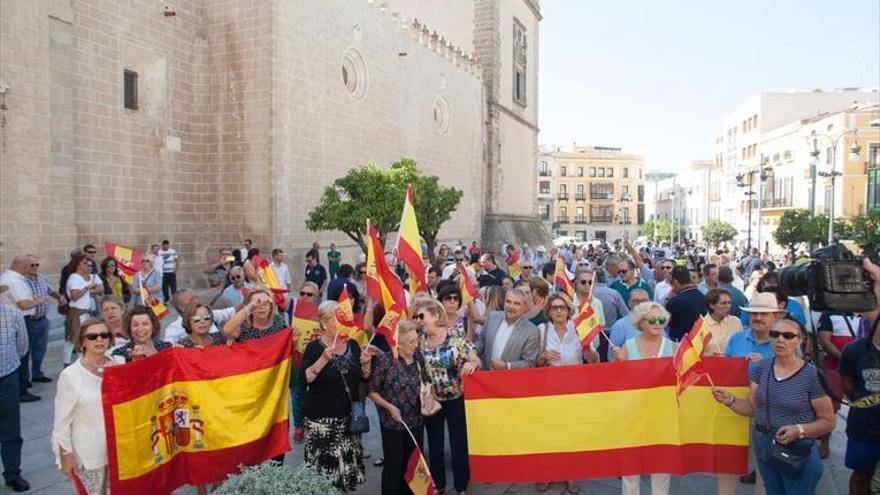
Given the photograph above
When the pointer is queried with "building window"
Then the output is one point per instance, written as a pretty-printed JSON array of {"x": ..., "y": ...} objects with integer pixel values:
[
  {"x": 641, "y": 193},
  {"x": 624, "y": 191},
  {"x": 873, "y": 189},
  {"x": 562, "y": 171},
  {"x": 579, "y": 214},
  {"x": 354, "y": 73},
  {"x": 609, "y": 172},
  {"x": 592, "y": 171},
  {"x": 520, "y": 46},
  {"x": 601, "y": 214},
  {"x": 130, "y": 88},
  {"x": 602, "y": 191},
  {"x": 545, "y": 169},
  {"x": 829, "y": 155},
  {"x": 624, "y": 215},
  {"x": 545, "y": 186},
  {"x": 579, "y": 195},
  {"x": 640, "y": 211},
  {"x": 441, "y": 114},
  {"x": 580, "y": 171},
  {"x": 874, "y": 155},
  {"x": 626, "y": 172},
  {"x": 563, "y": 214},
  {"x": 601, "y": 172}
]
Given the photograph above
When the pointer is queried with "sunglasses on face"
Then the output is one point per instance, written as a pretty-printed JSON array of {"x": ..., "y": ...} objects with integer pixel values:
[
  {"x": 459, "y": 260},
  {"x": 303, "y": 293},
  {"x": 95, "y": 336},
  {"x": 419, "y": 317},
  {"x": 236, "y": 277},
  {"x": 362, "y": 273},
  {"x": 623, "y": 271},
  {"x": 556, "y": 307},
  {"x": 527, "y": 267},
  {"x": 451, "y": 298},
  {"x": 775, "y": 334},
  {"x": 91, "y": 252},
  {"x": 656, "y": 320},
  {"x": 35, "y": 265},
  {"x": 585, "y": 282},
  {"x": 200, "y": 319},
  {"x": 666, "y": 267}
]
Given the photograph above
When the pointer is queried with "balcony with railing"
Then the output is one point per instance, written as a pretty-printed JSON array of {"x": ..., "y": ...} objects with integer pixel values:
[
  {"x": 601, "y": 195},
  {"x": 580, "y": 220},
  {"x": 560, "y": 219},
  {"x": 562, "y": 197},
  {"x": 545, "y": 173},
  {"x": 580, "y": 197},
  {"x": 777, "y": 202},
  {"x": 601, "y": 218}
]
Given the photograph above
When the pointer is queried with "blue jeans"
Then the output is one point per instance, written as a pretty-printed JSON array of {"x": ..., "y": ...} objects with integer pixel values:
[
  {"x": 10, "y": 426},
  {"x": 38, "y": 336},
  {"x": 452, "y": 415},
  {"x": 777, "y": 483},
  {"x": 298, "y": 403}
]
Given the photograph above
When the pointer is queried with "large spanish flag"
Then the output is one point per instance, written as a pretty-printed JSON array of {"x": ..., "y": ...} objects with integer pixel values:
[
  {"x": 602, "y": 421},
  {"x": 192, "y": 416}
]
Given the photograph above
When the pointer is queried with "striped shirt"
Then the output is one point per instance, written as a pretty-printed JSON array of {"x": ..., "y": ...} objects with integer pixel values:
[
  {"x": 13, "y": 339},
  {"x": 790, "y": 398},
  {"x": 39, "y": 286}
]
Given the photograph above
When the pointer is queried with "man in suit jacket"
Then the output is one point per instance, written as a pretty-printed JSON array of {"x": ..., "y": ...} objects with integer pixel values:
[{"x": 509, "y": 340}]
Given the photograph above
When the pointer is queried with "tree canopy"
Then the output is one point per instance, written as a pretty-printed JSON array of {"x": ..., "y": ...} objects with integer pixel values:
[
  {"x": 717, "y": 232},
  {"x": 370, "y": 192}
]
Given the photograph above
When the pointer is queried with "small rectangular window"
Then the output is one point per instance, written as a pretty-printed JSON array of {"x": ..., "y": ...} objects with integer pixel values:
[
  {"x": 130, "y": 86},
  {"x": 609, "y": 172},
  {"x": 592, "y": 171},
  {"x": 625, "y": 172}
]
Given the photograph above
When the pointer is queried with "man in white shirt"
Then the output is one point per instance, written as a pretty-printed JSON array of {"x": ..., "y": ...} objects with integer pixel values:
[
  {"x": 180, "y": 301},
  {"x": 169, "y": 259},
  {"x": 508, "y": 340},
  {"x": 282, "y": 271},
  {"x": 663, "y": 287},
  {"x": 21, "y": 297}
]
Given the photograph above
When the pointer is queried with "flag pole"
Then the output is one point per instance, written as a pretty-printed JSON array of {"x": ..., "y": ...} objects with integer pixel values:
[{"x": 409, "y": 431}]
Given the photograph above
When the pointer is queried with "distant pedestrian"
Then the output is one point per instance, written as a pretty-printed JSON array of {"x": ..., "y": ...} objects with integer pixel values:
[
  {"x": 13, "y": 346},
  {"x": 170, "y": 259}
]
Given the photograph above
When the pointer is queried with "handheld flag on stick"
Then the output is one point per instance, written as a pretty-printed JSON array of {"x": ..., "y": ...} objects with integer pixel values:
[
  {"x": 154, "y": 303},
  {"x": 513, "y": 267},
  {"x": 388, "y": 327},
  {"x": 688, "y": 360},
  {"x": 346, "y": 324},
  {"x": 268, "y": 278},
  {"x": 127, "y": 259},
  {"x": 305, "y": 319},
  {"x": 382, "y": 285},
  {"x": 409, "y": 244},
  {"x": 418, "y": 476},
  {"x": 587, "y": 324},
  {"x": 468, "y": 291},
  {"x": 561, "y": 278}
]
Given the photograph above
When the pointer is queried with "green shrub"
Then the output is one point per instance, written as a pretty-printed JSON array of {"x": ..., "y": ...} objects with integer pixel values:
[{"x": 270, "y": 478}]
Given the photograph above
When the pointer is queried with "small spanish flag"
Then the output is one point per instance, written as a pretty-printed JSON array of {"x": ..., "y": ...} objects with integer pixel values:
[
  {"x": 305, "y": 319},
  {"x": 587, "y": 324},
  {"x": 346, "y": 323},
  {"x": 561, "y": 278},
  {"x": 154, "y": 303},
  {"x": 468, "y": 291},
  {"x": 688, "y": 360},
  {"x": 128, "y": 261},
  {"x": 418, "y": 476},
  {"x": 268, "y": 278},
  {"x": 513, "y": 268},
  {"x": 388, "y": 327}
]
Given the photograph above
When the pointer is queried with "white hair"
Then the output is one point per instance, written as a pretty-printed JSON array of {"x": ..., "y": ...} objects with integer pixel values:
[{"x": 641, "y": 311}]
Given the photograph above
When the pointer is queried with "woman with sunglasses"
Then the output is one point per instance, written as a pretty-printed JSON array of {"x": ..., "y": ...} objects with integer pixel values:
[
  {"x": 448, "y": 356},
  {"x": 721, "y": 323},
  {"x": 78, "y": 437},
  {"x": 143, "y": 327},
  {"x": 197, "y": 320},
  {"x": 650, "y": 318},
  {"x": 114, "y": 284},
  {"x": 148, "y": 277},
  {"x": 789, "y": 406},
  {"x": 257, "y": 317},
  {"x": 81, "y": 289}
]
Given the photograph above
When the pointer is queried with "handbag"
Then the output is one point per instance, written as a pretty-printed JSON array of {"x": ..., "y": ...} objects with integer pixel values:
[
  {"x": 788, "y": 459},
  {"x": 430, "y": 404},
  {"x": 358, "y": 421}
]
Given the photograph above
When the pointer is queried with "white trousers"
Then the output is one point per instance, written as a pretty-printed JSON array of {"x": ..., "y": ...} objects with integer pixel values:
[{"x": 659, "y": 484}]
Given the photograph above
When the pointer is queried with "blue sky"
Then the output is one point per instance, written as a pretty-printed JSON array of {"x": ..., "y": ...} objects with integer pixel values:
[{"x": 657, "y": 78}]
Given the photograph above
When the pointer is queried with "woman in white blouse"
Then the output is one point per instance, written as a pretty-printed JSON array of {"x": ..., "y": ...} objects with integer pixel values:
[
  {"x": 82, "y": 287},
  {"x": 78, "y": 438},
  {"x": 560, "y": 346}
]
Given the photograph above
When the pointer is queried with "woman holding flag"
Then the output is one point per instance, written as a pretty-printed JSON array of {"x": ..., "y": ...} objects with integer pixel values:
[
  {"x": 257, "y": 317},
  {"x": 333, "y": 367},
  {"x": 650, "y": 318},
  {"x": 394, "y": 387},
  {"x": 142, "y": 325},
  {"x": 448, "y": 357},
  {"x": 148, "y": 277}
]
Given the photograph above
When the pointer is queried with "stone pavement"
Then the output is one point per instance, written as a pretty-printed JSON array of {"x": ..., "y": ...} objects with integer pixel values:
[{"x": 38, "y": 463}]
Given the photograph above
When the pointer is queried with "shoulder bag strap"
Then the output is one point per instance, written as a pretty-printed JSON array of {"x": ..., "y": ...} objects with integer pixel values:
[
  {"x": 848, "y": 325},
  {"x": 767, "y": 391},
  {"x": 546, "y": 336}
]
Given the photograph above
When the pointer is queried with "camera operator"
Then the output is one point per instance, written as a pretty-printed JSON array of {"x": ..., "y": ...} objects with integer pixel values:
[{"x": 860, "y": 378}]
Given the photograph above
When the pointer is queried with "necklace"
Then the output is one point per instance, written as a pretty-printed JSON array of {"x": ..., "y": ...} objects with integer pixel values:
[{"x": 98, "y": 368}]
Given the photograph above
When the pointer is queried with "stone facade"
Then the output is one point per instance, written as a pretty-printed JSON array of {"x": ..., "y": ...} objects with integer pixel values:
[{"x": 246, "y": 110}]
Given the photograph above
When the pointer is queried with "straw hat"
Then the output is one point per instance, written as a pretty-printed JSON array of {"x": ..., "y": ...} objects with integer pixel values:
[{"x": 763, "y": 302}]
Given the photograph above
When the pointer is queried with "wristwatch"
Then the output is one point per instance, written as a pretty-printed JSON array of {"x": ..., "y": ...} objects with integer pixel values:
[{"x": 800, "y": 428}]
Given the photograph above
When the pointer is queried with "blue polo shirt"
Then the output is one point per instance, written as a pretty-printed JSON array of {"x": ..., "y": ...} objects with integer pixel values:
[{"x": 743, "y": 343}]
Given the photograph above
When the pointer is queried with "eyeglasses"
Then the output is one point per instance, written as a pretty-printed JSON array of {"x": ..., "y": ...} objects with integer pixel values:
[
  {"x": 91, "y": 252},
  {"x": 200, "y": 319},
  {"x": 236, "y": 277},
  {"x": 303, "y": 293},
  {"x": 419, "y": 317},
  {"x": 451, "y": 298},
  {"x": 623, "y": 271},
  {"x": 557, "y": 307},
  {"x": 775, "y": 334},
  {"x": 585, "y": 282},
  {"x": 656, "y": 320},
  {"x": 363, "y": 273},
  {"x": 35, "y": 265},
  {"x": 459, "y": 260},
  {"x": 95, "y": 336}
]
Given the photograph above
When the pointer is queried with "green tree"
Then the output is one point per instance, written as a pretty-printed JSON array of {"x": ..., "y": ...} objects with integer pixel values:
[
  {"x": 369, "y": 192},
  {"x": 865, "y": 230},
  {"x": 842, "y": 229},
  {"x": 797, "y": 227},
  {"x": 716, "y": 232},
  {"x": 661, "y": 229}
]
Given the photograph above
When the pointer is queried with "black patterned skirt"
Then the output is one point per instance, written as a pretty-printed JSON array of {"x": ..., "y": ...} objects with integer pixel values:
[{"x": 335, "y": 451}]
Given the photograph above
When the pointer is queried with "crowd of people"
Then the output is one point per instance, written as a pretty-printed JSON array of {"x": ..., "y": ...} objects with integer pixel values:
[{"x": 647, "y": 298}]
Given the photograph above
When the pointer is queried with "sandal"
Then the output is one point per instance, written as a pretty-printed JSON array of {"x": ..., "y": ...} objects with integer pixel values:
[
  {"x": 542, "y": 487},
  {"x": 824, "y": 450},
  {"x": 572, "y": 487}
]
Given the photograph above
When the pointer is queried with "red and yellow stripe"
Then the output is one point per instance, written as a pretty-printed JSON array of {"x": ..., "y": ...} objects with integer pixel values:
[
  {"x": 602, "y": 420},
  {"x": 241, "y": 394}
]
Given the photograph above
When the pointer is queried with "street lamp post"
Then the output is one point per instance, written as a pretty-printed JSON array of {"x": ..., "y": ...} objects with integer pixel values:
[
  {"x": 854, "y": 151},
  {"x": 741, "y": 183}
]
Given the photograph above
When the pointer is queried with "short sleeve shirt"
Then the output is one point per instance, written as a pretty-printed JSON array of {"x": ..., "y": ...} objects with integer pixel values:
[
  {"x": 789, "y": 399},
  {"x": 248, "y": 332},
  {"x": 443, "y": 365},
  {"x": 398, "y": 383},
  {"x": 77, "y": 282},
  {"x": 862, "y": 424}
]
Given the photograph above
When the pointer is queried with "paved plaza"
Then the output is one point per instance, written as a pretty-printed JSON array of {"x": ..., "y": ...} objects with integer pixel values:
[{"x": 39, "y": 469}]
